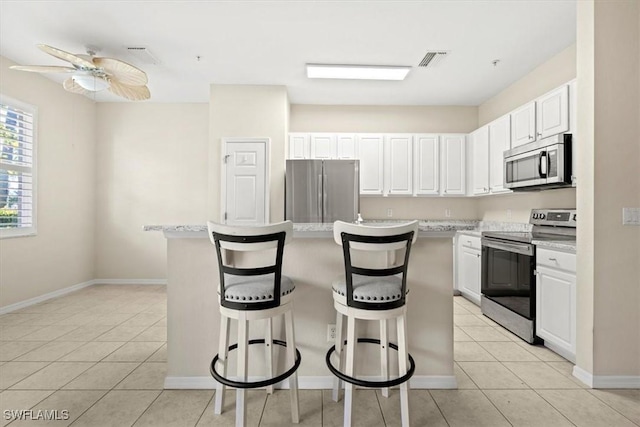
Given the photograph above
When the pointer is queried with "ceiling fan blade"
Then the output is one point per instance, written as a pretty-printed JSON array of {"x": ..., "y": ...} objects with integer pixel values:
[
  {"x": 71, "y": 86},
  {"x": 66, "y": 56},
  {"x": 43, "y": 68},
  {"x": 133, "y": 93},
  {"x": 125, "y": 73}
]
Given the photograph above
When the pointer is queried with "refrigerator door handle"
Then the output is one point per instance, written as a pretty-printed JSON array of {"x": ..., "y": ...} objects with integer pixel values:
[
  {"x": 324, "y": 197},
  {"x": 320, "y": 197}
]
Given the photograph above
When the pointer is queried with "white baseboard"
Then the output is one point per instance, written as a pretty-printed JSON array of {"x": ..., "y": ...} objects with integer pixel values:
[
  {"x": 311, "y": 382},
  {"x": 606, "y": 381},
  {"x": 36, "y": 300},
  {"x": 130, "y": 281}
]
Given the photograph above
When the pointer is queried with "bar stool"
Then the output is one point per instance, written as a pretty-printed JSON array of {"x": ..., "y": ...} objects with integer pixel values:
[
  {"x": 247, "y": 294},
  {"x": 372, "y": 294}
]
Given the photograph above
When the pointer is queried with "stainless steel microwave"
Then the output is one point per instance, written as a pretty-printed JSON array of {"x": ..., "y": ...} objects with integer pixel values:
[{"x": 539, "y": 165}]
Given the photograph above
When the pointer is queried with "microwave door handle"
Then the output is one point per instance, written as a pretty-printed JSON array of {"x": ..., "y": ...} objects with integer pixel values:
[{"x": 542, "y": 164}]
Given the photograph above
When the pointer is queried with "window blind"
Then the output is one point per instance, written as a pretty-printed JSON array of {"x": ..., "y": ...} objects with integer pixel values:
[{"x": 17, "y": 155}]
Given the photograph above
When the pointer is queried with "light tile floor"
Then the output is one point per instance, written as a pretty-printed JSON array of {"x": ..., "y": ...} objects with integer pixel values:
[{"x": 100, "y": 354}]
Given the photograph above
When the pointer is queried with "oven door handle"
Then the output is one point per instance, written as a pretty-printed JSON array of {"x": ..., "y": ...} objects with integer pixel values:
[{"x": 519, "y": 248}]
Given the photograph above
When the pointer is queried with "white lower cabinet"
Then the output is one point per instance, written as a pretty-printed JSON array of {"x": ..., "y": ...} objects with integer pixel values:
[
  {"x": 469, "y": 267},
  {"x": 556, "y": 301}
]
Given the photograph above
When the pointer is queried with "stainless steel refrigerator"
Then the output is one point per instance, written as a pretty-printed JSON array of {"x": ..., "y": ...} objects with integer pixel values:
[{"x": 322, "y": 190}]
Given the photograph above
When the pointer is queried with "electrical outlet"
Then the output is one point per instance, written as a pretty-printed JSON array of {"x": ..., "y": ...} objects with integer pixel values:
[
  {"x": 447, "y": 213},
  {"x": 331, "y": 332},
  {"x": 389, "y": 213},
  {"x": 630, "y": 216}
]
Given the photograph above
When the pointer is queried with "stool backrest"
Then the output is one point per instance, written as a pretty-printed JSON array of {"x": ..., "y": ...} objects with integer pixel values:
[
  {"x": 251, "y": 239},
  {"x": 375, "y": 239}
]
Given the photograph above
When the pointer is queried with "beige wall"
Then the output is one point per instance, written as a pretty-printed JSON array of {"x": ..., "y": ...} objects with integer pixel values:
[
  {"x": 372, "y": 118},
  {"x": 549, "y": 75},
  {"x": 248, "y": 111},
  {"x": 62, "y": 253},
  {"x": 151, "y": 169},
  {"x": 609, "y": 61}
]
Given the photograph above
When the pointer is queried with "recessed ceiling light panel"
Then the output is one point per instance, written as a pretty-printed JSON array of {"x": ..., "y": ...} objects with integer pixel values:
[{"x": 359, "y": 72}]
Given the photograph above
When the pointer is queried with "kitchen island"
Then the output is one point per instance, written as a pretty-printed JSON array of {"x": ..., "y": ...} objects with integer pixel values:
[{"x": 312, "y": 260}]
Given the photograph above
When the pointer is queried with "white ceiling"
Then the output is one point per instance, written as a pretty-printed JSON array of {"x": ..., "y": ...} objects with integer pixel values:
[{"x": 269, "y": 42}]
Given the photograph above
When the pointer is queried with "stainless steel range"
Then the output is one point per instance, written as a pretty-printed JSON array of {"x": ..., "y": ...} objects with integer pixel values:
[{"x": 508, "y": 268}]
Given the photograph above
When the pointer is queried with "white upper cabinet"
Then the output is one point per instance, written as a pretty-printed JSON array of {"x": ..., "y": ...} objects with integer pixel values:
[
  {"x": 398, "y": 164},
  {"x": 499, "y": 142},
  {"x": 323, "y": 146},
  {"x": 347, "y": 146},
  {"x": 523, "y": 125},
  {"x": 553, "y": 113},
  {"x": 371, "y": 155},
  {"x": 544, "y": 117},
  {"x": 479, "y": 148},
  {"x": 426, "y": 164},
  {"x": 452, "y": 173},
  {"x": 298, "y": 145}
]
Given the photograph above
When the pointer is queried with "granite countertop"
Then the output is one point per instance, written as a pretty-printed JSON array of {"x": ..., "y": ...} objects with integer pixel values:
[
  {"x": 428, "y": 228},
  {"x": 561, "y": 245}
]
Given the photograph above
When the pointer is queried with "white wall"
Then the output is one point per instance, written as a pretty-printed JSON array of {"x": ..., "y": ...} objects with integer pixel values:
[
  {"x": 152, "y": 163},
  {"x": 62, "y": 253}
]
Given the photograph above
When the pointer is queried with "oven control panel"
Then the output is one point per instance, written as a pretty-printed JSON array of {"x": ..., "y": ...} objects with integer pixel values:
[{"x": 554, "y": 217}]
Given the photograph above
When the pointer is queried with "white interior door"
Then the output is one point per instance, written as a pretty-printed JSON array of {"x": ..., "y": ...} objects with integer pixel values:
[{"x": 245, "y": 193}]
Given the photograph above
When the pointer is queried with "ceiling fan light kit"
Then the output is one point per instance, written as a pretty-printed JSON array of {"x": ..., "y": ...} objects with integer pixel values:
[
  {"x": 93, "y": 74},
  {"x": 90, "y": 82},
  {"x": 357, "y": 72}
]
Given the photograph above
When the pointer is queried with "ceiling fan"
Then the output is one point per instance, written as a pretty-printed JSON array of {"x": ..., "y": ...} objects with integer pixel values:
[{"x": 93, "y": 73}]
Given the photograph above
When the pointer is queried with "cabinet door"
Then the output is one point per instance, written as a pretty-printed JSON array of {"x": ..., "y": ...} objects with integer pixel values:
[
  {"x": 426, "y": 164},
  {"x": 470, "y": 273},
  {"x": 556, "y": 310},
  {"x": 323, "y": 146},
  {"x": 347, "y": 147},
  {"x": 553, "y": 113},
  {"x": 480, "y": 154},
  {"x": 523, "y": 125},
  {"x": 499, "y": 142},
  {"x": 398, "y": 164},
  {"x": 452, "y": 165},
  {"x": 370, "y": 152},
  {"x": 298, "y": 146}
]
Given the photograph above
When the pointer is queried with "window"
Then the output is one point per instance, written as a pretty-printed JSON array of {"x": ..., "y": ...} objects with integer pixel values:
[{"x": 17, "y": 168}]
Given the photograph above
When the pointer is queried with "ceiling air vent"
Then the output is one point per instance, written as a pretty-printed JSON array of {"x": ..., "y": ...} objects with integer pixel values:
[
  {"x": 433, "y": 58},
  {"x": 142, "y": 55}
]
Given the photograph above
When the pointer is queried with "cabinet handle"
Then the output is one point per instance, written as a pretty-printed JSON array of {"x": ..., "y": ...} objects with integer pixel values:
[
  {"x": 539, "y": 134},
  {"x": 478, "y": 255},
  {"x": 552, "y": 259},
  {"x": 530, "y": 136}
]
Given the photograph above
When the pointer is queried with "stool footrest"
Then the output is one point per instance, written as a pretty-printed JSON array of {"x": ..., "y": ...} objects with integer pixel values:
[
  {"x": 255, "y": 384},
  {"x": 370, "y": 384}
]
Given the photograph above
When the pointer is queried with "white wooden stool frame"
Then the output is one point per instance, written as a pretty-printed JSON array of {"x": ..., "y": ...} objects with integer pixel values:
[
  {"x": 351, "y": 236},
  {"x": 253, "y": 239}
]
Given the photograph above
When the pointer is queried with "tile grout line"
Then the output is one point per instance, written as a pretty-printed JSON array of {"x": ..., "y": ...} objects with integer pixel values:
[
  {"x": 438, "y": 407},
  {"x": 205, "y": 407},
  {"x": 147, "y": 408},
  {"x": 611, "y": 407}
]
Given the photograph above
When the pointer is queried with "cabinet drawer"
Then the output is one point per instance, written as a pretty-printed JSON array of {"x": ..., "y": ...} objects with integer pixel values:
[
  {"x": 555, "y": 259},
  {"x": 469, "y": 241}
]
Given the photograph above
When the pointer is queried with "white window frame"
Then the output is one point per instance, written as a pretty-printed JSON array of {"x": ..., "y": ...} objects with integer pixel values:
[{"x": 25, "y": 231}]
